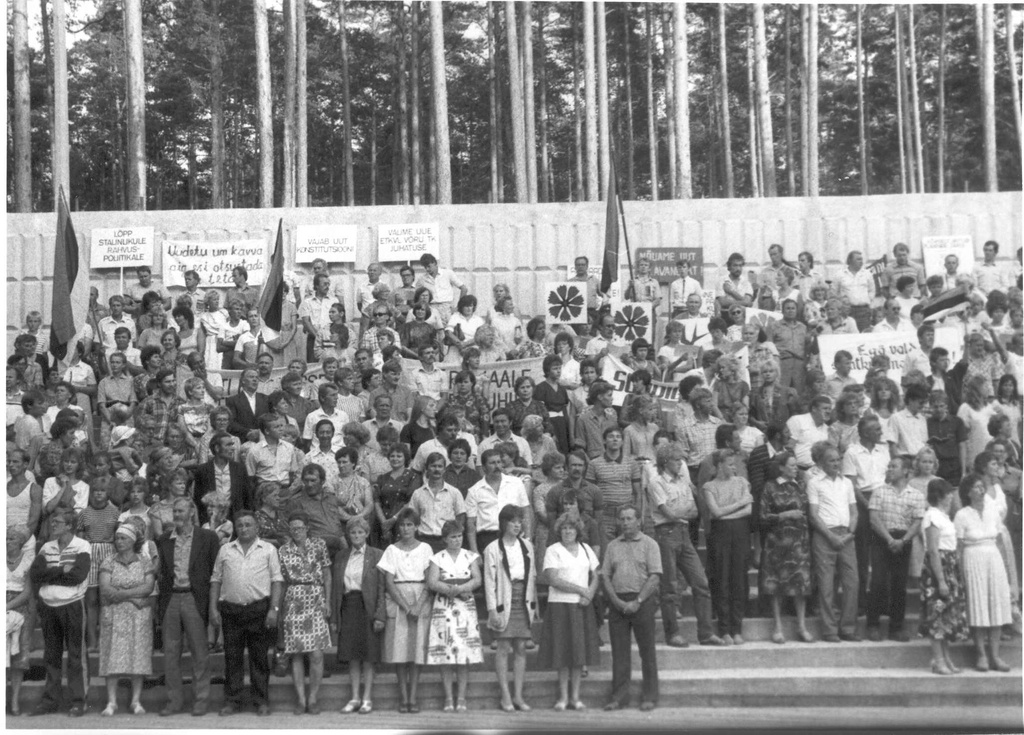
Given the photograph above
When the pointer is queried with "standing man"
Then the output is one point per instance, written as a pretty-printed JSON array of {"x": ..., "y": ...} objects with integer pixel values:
[
  {"x": 596, "y": 419},
  {"x": 224, "y": 476},
  {"x": 314, "y": 312},
  {"x": 807, "y": 429},
  {"x": 60, "y": 572},
  {"x": 864, "y": 465},
  {"x": 857, "y": 286},
  {"x": 682, "y": 288},
  {"x": 581, "y": 266},
  {"x": 790, "y": 337},
  {"x": 617, "y": 478},
  {"x": 273, "y": 460},
  {"x": 109, "y": 324},
  {"x": 841, "y": 378},
  {"x": 245, "y": 597},
  {"x": 327, "y": 394},
  {"x": 187, "y": 555},
  {"x": 163, "y": 405},
  {"x": 989, "y": 275},
  {"x": 735, "y": 289},
  {"x": 442, "y": 284},
  {"x": 951, "y": 263},
  {"x": 501, "y": 423},
  {"x": 391, "y": 386},
  {"x": 246, "y": 406},
  {"x": 430, "y": 381},
  {"x": 630, "y": 573},
  {"x": 892, "y": 320},
  {"x": 485, "y": 500},
  {"x": 833, "y": 516},
  {"x": 249, "y": 295},
  {"x": 136, "y": 291},
  {"x": 902, "y": 267}
]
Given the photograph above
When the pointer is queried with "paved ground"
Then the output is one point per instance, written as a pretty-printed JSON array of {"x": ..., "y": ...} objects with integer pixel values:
[{"x": 888, "y": 719}]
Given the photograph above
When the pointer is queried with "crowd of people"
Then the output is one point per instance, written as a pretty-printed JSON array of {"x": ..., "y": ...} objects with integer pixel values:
[{"x": 381, "y": 509}]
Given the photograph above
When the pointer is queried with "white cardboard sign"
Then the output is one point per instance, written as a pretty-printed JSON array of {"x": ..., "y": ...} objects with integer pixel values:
[
  {"x": 408, "y": 241},
  {"x": 121, "y": 247},
  {"x": 214, "y": 261},
  {"x": 935, "y": 250},
  {"x": 333, "y": 243}
]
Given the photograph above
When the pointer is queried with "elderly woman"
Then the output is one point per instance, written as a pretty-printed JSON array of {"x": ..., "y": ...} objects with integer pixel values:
[
  {"x": 307, "y": 576},
  {"x": 357, "y": 613},
  {"x": 19, "y": 596},
  {"x": 271, "y": 525},
  {"x": 404, "y": 568},
  {"x": 786, "y": 546},
  {"x": 988, "y": 590},
  {"x": 454, "y": 637},
  {"x": 126, "y": 627},
  {"x": 569, "y": 642},
  {"x": 486, "y": 341},
  {"x": 525, "y": 404},
  {"x": 510, "y": 589},
  {"x": 944, "y": 609}
]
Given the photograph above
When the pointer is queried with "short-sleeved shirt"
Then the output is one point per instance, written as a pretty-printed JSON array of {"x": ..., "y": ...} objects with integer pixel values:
[
  {"x": 805, "y": 434},
  {"x": 432, "y": 383},
  {"x": 273, "y": 464},
  {"x": 947, "y": 531},
  {"x": 833, "y": 498},
  {"x": 894, "y": 272},
  {"x": 406, "y": 566},
  {"x": 443, "y": 287},
  {"x": 614, "y": 479},
  {"x": 573, "y": 569},
  {"x": 628, "y": 563},
  {"x": 675, "y": 493},
  {"x": 483, "y": 504},
  {"x": 436, "y": 508},
  {"x": 866, "y": 467},
  {"x": 909, "y": 432},
  {"x": 246, "y": 576},
  {"x": 339, "y": 418},
  {"x": 897, "y": 509}
]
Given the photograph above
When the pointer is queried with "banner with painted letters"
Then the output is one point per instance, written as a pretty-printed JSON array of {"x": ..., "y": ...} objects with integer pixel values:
[
  {"x": 333, "y": 243},
  {"x": 897, "y": 345},
  {"x": 214, "y": 261},
  {"x": 121, "y": 247},
  {"x": 232, "y": 378},
  {"x": 497, "y": 378}
]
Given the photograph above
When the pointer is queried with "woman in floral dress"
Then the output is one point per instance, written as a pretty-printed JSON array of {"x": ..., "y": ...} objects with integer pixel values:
[
  {"x": 785, "y": 555},
  {"x": 307, "y": 574},
  {"x": 454, "y": 638}
]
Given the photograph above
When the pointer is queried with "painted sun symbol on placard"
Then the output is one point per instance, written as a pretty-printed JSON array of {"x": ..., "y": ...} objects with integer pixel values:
[
  {"x": 632, "y": 322},
  {"x": 565, "y": 303}
]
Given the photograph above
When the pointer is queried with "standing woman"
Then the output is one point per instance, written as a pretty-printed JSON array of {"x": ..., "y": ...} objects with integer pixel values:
[
  {"x": 975, "y": 412},
  {"x": 404, "y": 567},
  {"x": 555, "y": 397},
  {"x": 525, "y": 404},
  {"x": 357, "y": 612},
  {"x": 307, "y": 575},
  {"x": 988, "y": 591},
  {"x": 885, "y": 398},
  {"x": 126, "y": 627},
  {"x": 422, "y": 424},
  {"x": 192, "y": 339},
  {"x": 786, "y": 551},
  {"x": 392, "y": 492},
  {"x": 454, "y": 638},
  {"x": 212, "y": 323},
  {"x": 510, "y": 588},
  {"x": 1009, "y": 398},
  {"x": 944, "y": 613},
  {"x": 569, "y": 642}
]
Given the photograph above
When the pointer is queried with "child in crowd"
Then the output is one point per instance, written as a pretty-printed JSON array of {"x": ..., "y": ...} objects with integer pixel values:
[
  {"x": 345, "y": 379},
  {"x": 96, "y": 524},
  {"x": 101, "y": 471},
  {"x": 161, "y": 512}
]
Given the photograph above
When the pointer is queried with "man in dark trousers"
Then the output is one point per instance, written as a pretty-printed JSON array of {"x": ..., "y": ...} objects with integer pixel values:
[
  {"x": 60, "y": 572},
  {"x": 187, "y": 555},
  {"x": 246, "y": 406},
  {"x": 225, "y": 476}
]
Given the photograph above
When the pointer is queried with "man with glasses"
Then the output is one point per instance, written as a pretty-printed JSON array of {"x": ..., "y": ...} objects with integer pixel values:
[
  {"x": 735, "y": 288},
  {"x": 892, "y": 320},
  {"x": 379, "y": 335}
]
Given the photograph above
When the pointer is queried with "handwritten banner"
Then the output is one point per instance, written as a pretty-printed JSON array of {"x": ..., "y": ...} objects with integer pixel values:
[
  {"x": 333, "y": 243},
  {"x": 897, "y": 345},
  {"x": 214, "y": 261},
  {"x": 408, "y": 242},
  {"x": 663, "y": 262},
  {"x": 121, "y": 247},
  {"x": 497, "y": 378},
  {"x": 935, "y": 249}
]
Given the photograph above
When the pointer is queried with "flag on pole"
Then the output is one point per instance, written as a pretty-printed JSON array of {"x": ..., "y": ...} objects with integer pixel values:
[
  {"x": 272, "y": 298},
  {"x": 610, "y": 267},
  {"x": 877, "y": 269},
  {"x": 946, "y": 303},
  {"x": 70, "y": 284}
]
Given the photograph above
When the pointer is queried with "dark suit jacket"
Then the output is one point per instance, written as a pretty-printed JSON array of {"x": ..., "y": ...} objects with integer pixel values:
[
  {"x": 373, "y": 584},
  {"x": 241, "y": 488},
  {"x": 243, "y": 420},
  {"x": 205, "y": 546}
]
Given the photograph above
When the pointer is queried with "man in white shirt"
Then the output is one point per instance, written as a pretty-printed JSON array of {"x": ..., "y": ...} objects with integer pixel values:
[
  {"x": 501, "y": 422},
  {"x": 327, "y": 394},
  {"x": 857, "y": 286},
  {"x": 442, "y": 284},
  {"x": 918, "y": 357},
  {"x": 682, "y": 288},
  {"x": 864, "y": 464},
  {"x": 951, "y": 263},
  {"x": 735, "y": 288},
  {"x": 314, "y": 312},
  {"x": 909, "y": 426},
  {"x": 809, "y": 428},
  {"x": 833, "y": 516},
  {"x": 136, "y": 291},
  {"x": 485, "y": 500},
  {"x": 110, "y": 323},
  {"x": 447, "y": 432},
  {"x": 989, "y": 275},
  {"x": 893, "y": 321},
  {"x": 430, "y": 381}
]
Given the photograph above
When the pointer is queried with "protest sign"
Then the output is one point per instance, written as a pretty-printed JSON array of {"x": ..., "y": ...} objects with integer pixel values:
[
  {"x": 498, "y": 379},
  {"x": 935, "y": 249},
  {"x": 566, "y": 302},
  {"x": 214, "y": 261},
  {"x": 594, "y": 271},
  {"x": 663, "y": 262},
  {"x": 695, "y": 331},
  {"x": 897, "y": 345},
  {"x": 333, "y": 243},
  {"x": 633, "y": 320},
  {"x": 121, "y": 247},
  {"x": 232, "y": 378},
  {"x": 408, "y": 242}
]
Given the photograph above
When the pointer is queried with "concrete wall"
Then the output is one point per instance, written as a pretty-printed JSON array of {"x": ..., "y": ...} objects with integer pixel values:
[{"x": 525, "y": 246}]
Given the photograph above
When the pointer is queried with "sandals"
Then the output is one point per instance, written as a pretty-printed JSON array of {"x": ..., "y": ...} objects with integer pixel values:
[
  {"x": 461, "y": 706},
  {"x": 777, "y": 637},
  {"x": 560, "y": 705},
  {"x": 352, "y": 706},
  {"x": 110, "y": 711},
  {"x": 941, "y": 669},
  {"x": 448, "y": 707},
  {"x": 367, "y": 708},
  {"x": 578, "y": 706}
]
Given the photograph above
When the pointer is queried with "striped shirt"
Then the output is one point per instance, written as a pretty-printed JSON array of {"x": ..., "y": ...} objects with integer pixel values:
[{"x": 614, "y": 480}]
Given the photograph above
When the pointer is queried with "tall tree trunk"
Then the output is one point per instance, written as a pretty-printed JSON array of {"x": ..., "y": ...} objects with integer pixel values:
[
  {"x": 193, "y": 190},
  {"x": 301, "y": 108},
  {"x": 414, "y": 102},
  {"x": 682, "y": 109},
  {"x": 265, "y": 124},
  {"x": 1011, "y": 58},
  {"x": 812, "y": 105},
  {"x": 546, "y": 193},
  {"x": 804, "y": 107},
  {"x": 499, "y": 100},
  {"x": 861, "y": 138},
  {"x": 788, "y": 93},
  {"x": 755, "y": 189},
  {"x": 989, "y": 96},
  {"x": 515, "y": 85},
  {"x": 764, "y": 104},
  {"x": 579, "y": 191},
  {"x": 670, "y": 100},
  {"x": 652, "y": 112},
  {"x": 723, "y": 73},
  {"x": 603, "y": 130},
  {"x": 373, "y": 154},
  {"x": 442, "y": 156},
  {"x": 908, "y": 129},
  {"x": 627, "y": 65},
  {"x": 401, "y": 153},
  {"x": 941, "y": 154},
  {"x": 22, "y": 111},
  {"x": 529, "y": 112},
  {"x": 288, "y": 114},
  {"x": 590, "y": 98},
  {"x": 898, "y": 61},
  {"x": 61, "y": 150},
  {"x": 346, "y": 109},
  {"x": 492, "y": 98},
  {"x": 915, "y": 105},
  {"x": 217, "y": 144}
]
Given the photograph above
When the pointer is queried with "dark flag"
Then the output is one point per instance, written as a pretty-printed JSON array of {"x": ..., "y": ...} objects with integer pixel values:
[
  {"x": 610, "y": 267},
  {"x": 877, "y": 270},
  {"x": 272, "y": 298},
  {"x": 946, "y": 303},
  {"x": 68, "y": 288}
]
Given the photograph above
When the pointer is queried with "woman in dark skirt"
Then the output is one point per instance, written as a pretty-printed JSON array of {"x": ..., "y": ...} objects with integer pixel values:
[
  {"x": 555, "y": 398},
  {"x": 943, "y": 600},
  {"x": 569, "y": 642},
  {"x": 510, "y": 588},
  {"x": 357, "y": 612}
]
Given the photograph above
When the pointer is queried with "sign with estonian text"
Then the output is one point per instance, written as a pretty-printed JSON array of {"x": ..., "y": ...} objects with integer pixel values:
[
  {"x": 408, "y": 242},
  {"x": 663, "y": 262},
  {"x": 897, "y": 345},
  {"x": 333, "y": 243},
  {"x": 214, "y": 261},
  {"x": 121, "y": 247},
  {"x": 935, "y": 249}
]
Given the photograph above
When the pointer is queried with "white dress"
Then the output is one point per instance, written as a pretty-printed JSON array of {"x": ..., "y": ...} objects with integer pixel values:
[
  {"x": 985, "y": 580},
  {"x": 405, "y": 638}
]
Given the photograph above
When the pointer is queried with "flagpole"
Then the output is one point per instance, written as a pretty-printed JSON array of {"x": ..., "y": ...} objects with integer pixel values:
[{"x": 625, "y": 232}]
